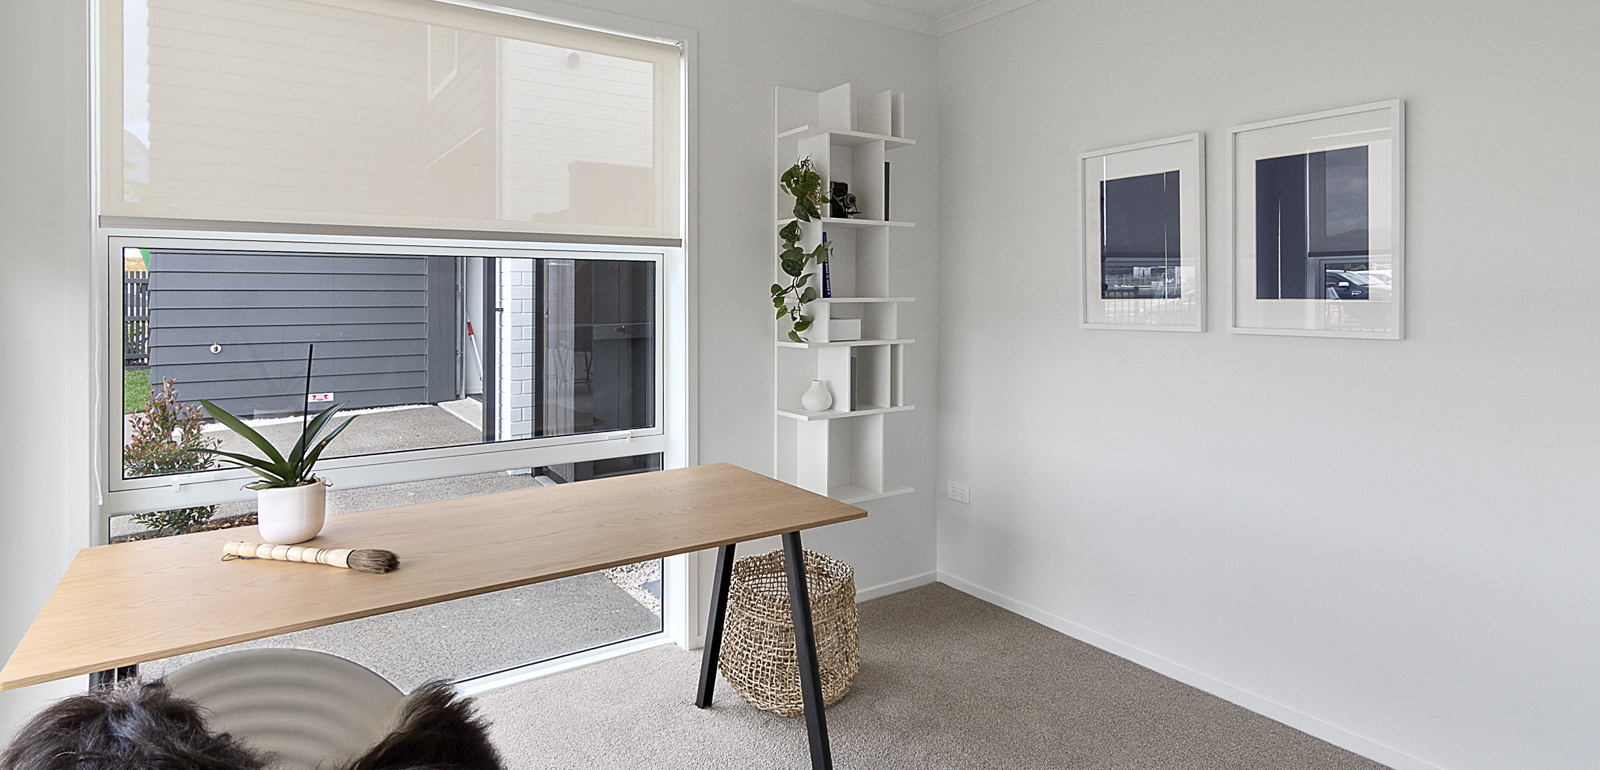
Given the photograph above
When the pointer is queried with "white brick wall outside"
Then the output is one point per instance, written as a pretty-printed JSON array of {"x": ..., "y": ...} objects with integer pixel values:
[{"x": 514, "y": 349}]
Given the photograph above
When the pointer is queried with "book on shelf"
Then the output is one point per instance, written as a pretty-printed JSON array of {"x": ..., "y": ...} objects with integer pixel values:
[
  {"x": 886, "y": 217},
  {"x": 827, "y": 282}
]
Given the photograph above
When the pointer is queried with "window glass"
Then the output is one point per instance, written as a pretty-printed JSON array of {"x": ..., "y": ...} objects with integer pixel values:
[
  {"x": 466, "y": 637},
  {"x": 421, "y": 351}
]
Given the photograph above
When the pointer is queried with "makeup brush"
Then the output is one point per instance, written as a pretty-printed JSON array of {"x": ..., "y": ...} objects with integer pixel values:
[{"x": 370, "y": 560}]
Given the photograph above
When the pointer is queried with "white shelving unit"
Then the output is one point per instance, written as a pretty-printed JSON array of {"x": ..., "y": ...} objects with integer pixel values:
[{"x": 840, "y": 452}]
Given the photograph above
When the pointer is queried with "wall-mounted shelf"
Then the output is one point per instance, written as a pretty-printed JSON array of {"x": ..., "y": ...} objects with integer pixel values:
[
  {"x": 853, "y": 222},
  {"x": 859, "y": 300},
  {"x": 840, "y": 344},
  {"x": 832, "y": 414},
  {"x": 852, "y": 138},
  {"x": 841, "y": 452},
  {"x": 852, "y": 493}
]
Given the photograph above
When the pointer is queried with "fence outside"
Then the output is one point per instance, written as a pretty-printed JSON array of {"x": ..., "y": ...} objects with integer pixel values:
[{"x": 135, "y": 320}]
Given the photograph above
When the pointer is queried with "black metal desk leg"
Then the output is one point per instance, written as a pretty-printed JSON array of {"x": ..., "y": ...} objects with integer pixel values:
[
  {"x": 719, "y": 610},
  {"x": 805, "y": 648},
  {"x": 100, "y": 680}
]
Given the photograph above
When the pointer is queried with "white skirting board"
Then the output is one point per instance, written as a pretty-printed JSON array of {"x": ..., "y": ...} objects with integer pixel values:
[
  {"x": 1306, "y": 724},
  {"x": 895, "y": 586}
]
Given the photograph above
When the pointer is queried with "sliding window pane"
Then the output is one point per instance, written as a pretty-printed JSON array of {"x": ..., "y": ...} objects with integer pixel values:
[{"x": 422, "y": 351}]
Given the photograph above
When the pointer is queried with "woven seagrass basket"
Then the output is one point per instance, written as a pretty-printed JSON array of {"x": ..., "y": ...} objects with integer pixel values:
[{"x": 758, "y": 657}]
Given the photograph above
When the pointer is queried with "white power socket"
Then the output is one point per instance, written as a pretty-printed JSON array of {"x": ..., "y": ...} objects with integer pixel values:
[{"x": 957, "y": 491}]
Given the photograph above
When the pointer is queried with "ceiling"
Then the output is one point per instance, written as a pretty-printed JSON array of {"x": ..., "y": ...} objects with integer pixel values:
[
  {"x": 933, "y": 9},
  {"x": 930, "y": 17}
]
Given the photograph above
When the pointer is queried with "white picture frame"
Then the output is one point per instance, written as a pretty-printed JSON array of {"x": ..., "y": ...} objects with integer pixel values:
[
  {"x": 1143, "y": 261},
  {"x": 1334, "y": 267}
]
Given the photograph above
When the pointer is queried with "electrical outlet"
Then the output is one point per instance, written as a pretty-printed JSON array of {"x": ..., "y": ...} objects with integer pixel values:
[{"x": 957, "y": 491}]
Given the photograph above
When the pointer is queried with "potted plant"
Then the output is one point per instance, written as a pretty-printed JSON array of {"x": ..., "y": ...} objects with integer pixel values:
[
  {"x": 291, "y": 503},
  {"x": 805, "y": 184}
]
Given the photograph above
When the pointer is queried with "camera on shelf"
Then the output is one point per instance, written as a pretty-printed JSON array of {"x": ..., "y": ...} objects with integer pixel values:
[{"x": 841, "y": 202}]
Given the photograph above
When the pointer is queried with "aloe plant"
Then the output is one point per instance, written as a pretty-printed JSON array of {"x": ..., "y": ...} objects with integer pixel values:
[{"x": 275, "y": 468}]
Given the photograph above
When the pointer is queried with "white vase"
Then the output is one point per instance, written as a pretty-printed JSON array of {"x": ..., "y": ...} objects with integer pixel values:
[
  {"x": 817, "y": 398},
  {"x": 287, "y": 515}
]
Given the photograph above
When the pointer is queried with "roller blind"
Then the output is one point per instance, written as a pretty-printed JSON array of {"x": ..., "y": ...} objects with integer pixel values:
[{"x": 390, "y": 113}]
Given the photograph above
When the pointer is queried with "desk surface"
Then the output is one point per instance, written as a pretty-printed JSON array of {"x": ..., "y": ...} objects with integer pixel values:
[{"x": 132, "y": 602}]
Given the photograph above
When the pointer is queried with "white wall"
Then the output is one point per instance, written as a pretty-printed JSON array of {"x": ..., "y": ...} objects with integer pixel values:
[
  {"x": 44, "y": 319},
  {"x": 1391, "y": 544},
  {"x": 745, "y": 47}
]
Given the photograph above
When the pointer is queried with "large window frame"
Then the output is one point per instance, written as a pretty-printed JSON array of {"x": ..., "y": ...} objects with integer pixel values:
[
  {"x": 221, "y": 485},
  {"x": 676, "y": 435}
]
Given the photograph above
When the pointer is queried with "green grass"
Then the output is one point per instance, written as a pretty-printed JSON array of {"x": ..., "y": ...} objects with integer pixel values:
[{"x": 135, "y": 390}]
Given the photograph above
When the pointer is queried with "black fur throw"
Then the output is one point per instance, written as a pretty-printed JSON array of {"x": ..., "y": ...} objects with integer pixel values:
[
  {"x": 137, "y": 726},
  {"x": 129, "y": 727}
]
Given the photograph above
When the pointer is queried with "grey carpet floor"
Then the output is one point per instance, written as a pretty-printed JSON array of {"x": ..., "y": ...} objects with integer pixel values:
[{"x": 947, "y": 681}]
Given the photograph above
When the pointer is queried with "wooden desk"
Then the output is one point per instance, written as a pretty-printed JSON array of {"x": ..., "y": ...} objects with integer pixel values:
[{"x": 120, "y": 605}]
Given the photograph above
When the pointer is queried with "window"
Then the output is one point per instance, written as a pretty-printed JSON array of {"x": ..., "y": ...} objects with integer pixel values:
[
  {"x": 454, "y": 357},
  {"x": 473, "y": 217},
  {"x": 429, "y": 347}
]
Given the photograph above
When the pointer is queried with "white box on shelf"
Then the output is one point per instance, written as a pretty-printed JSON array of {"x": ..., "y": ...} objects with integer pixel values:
[{"x": 844, "y": 329}]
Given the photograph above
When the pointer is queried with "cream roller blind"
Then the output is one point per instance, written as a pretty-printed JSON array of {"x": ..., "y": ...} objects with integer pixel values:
[{"x": 393, "y": 113}]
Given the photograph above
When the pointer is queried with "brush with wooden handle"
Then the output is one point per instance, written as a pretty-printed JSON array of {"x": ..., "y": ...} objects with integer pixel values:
[{"x": 370, "y": 560}]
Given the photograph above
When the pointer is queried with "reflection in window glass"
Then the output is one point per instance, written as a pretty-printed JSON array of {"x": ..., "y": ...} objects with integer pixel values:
[
  {"x": 425, "y": 351},
  {"x": 473, "y": 636}
]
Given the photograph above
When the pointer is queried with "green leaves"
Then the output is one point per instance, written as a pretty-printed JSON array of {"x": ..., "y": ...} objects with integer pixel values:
[
  {"x": 275, "y": 469},
  {"x": 804, "y": 183},
  {"x": 237, "y": 425}
]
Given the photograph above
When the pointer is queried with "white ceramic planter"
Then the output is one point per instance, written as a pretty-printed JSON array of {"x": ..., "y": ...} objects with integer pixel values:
[{"x": 287, "y": 515}]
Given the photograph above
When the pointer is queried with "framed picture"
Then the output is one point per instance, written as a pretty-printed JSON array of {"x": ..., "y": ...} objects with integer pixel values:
[
  {"x": 1144, "y": 235},
  {"x": 1319, "y": 223}
]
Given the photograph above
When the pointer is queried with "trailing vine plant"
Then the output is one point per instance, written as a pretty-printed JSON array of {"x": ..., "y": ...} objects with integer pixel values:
[{"x": 804, "y": 183}]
